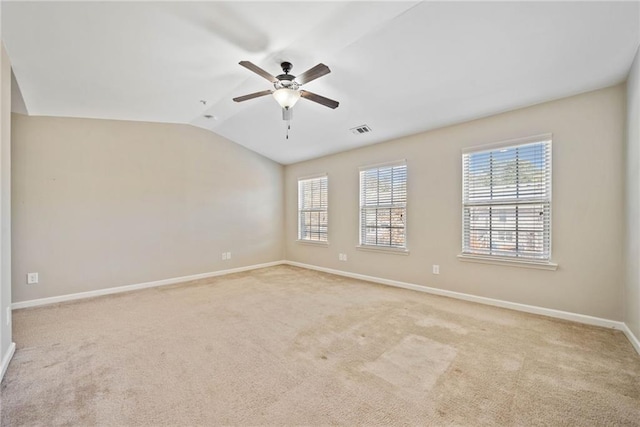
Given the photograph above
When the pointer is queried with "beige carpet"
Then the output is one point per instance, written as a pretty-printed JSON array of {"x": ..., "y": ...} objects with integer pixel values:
[{"x": 285, "y": 345}]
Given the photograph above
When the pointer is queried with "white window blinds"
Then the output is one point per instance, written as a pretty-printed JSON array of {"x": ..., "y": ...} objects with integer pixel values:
[
  {"x": 383, "y": 206},
  {"x": 506, "y": 197},
  {"x": 312, "y": 209}
]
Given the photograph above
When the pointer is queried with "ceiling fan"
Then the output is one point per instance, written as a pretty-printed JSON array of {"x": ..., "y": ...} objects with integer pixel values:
[{"x": 287, "y": 87}]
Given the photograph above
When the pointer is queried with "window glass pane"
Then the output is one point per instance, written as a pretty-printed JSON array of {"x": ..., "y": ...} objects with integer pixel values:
[
  {"x": 507, "y": 201},
  {"x": 383, "y": 197},
  {"x": 313, "y": 209}
]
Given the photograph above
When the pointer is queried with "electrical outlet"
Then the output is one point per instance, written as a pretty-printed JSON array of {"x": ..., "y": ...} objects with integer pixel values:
[
  {"x": 344, "y": 257},
  {"x": 436, "y": 269},
  {"x": 224, "y": 256},
  {"x": 32, "y": 278},
  {"x": 228, "y": 255}
]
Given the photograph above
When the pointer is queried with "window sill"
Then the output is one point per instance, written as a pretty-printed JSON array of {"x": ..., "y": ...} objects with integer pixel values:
[
  {"x": 394, "y": 251},
  {"x": 540, "y": 265},
  {"x": 313, "y": 243}
]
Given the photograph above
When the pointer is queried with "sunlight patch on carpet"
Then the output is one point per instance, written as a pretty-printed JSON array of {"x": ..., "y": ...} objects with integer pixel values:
[
  {"x": 414, "y": 363},
  {"x": 429, "y": 322}
]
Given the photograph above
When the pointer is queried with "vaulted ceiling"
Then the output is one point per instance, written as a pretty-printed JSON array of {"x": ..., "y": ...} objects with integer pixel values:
[{"x": 399, "y": 67}]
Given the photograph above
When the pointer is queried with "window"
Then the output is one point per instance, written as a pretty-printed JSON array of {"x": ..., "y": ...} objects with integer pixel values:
[
  {"x": 383, "y": 206},
  {"x": 312, "y": 209},
  {"x": 506, "y": 199}
]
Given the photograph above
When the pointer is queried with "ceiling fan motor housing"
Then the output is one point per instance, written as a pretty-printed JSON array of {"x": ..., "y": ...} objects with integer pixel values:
[{"x": 286, "y": 84}]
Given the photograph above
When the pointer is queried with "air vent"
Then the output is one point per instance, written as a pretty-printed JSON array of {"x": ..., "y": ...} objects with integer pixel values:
[{"x": 360, "y": 129}]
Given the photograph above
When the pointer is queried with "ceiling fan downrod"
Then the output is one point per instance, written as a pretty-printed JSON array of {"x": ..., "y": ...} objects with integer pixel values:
[{"x": 286, "y": 67}]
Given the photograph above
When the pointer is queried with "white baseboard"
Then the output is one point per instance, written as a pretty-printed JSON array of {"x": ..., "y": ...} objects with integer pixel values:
[
  {"x": 635, "y": 342},
  {"x": 6, "y": 359},
  {"x": 575, "y": 317},
  {"x": 127, "y": 288}
]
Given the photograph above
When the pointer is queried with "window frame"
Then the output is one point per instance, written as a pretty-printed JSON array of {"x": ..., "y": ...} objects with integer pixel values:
[
  {"x": 404, "y": 250},
  {"x": 299, "y": 211},
  {"x": 518, "y": 261}
]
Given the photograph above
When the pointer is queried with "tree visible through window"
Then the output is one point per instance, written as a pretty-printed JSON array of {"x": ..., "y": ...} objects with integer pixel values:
[
  {"x": 383, "y": 206},
  {"x": 507, "y": 201},
  {"x": 313, "y": 209}
]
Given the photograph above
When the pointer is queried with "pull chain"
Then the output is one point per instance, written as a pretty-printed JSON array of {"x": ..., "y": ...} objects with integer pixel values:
[{"x": 286, "y": 116}]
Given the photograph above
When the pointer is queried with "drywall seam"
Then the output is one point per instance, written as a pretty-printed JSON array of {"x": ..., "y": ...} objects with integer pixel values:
[
  {"x": 127, "y": 288},
  {"x": 7, "y": 358}
]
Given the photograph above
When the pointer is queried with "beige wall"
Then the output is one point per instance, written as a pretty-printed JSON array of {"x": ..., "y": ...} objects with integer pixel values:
[
  {"x": 5, "y": 199},
  {"x": 632, "y": 249},
  {"x": 588, "y": 172},
  {"x": 100, "y": 203}
]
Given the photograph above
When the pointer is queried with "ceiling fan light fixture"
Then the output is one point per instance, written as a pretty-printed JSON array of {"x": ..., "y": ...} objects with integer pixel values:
[{"x": 287, "y": 98}]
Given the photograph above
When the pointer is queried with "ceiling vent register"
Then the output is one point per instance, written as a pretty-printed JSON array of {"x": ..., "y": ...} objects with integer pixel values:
[{"x": 360, "y": 129}]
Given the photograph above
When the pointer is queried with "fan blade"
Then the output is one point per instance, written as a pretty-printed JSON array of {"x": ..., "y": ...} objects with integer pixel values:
[
  {"x": 312, "y": 74},
  {"x": 253, "y": 95},
  {"x": 259, "y": 71},
  {"x": 319, "y": 99}
]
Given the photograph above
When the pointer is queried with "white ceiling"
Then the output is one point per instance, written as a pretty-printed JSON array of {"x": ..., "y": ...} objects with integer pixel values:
[{"x": 400, "y": 67}]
